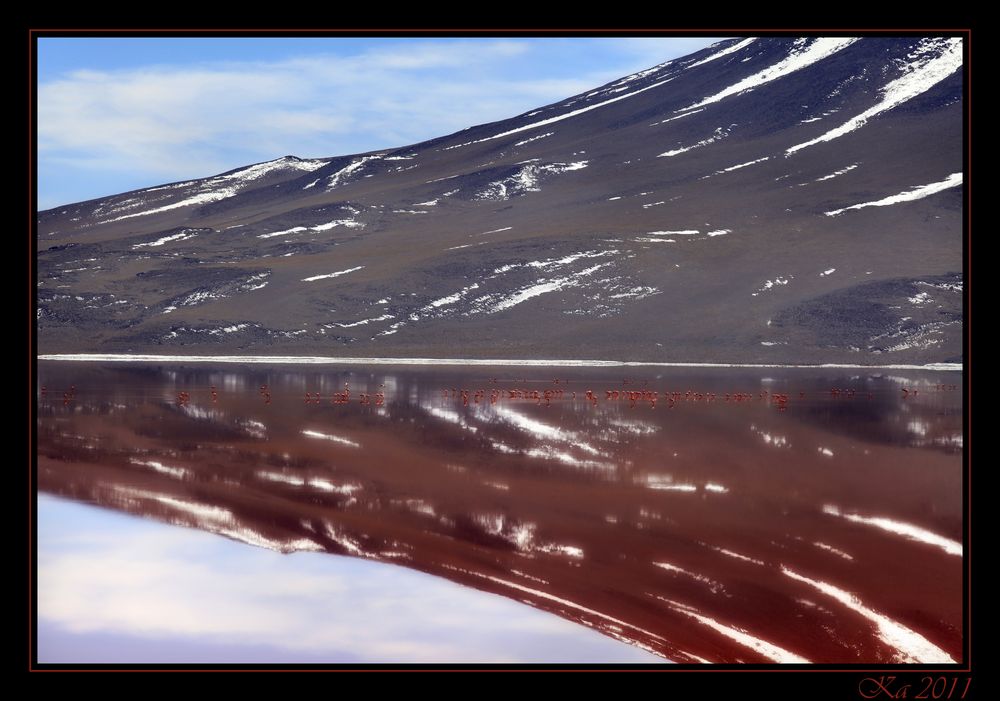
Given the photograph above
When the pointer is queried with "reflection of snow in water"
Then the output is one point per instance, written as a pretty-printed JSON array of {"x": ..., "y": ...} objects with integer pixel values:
[
  {"x": 907, "y": 530},
  {"x": 697, "y": 490},
  {"x": 910, "y": 645},
  {"x": 330, "y": 437},
  {"x": 522, "y": 535},
  {"x": 716, "y": 587},
  {"x": 761, "y": 647}
]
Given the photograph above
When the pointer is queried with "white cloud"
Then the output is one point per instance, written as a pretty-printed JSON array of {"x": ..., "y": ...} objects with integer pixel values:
[
  {"x": 653, "y": 50},
  {"x": 154, "y": 118},
  {"x": 179, "y": 122}
]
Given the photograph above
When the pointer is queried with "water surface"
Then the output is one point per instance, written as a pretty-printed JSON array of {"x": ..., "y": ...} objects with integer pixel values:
[{"x": 703, "y": 515}]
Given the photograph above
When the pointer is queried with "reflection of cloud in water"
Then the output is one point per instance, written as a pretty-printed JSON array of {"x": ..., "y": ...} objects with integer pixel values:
[{"x": 105, "y": 579}]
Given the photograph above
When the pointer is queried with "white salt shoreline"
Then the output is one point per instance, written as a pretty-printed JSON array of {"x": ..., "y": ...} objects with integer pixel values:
[{"x": 330, "y": 360}]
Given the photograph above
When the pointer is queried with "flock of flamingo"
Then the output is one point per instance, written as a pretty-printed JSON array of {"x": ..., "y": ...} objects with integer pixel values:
[{"x": 633, "y": 397}]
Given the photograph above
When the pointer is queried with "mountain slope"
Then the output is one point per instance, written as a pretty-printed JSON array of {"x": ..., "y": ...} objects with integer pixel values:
[{"x": 762, "y": 200}]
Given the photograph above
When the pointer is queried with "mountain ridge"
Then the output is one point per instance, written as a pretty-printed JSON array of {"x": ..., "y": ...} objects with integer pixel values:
[{"x": 647, "y": 219}]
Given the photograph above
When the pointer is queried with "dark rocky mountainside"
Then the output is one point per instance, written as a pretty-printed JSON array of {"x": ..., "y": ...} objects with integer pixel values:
[{"x": 763, "y": 200}]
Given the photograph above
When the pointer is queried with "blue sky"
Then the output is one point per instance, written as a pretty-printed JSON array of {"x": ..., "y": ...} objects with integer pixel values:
[{"x": 116, "y": 114}]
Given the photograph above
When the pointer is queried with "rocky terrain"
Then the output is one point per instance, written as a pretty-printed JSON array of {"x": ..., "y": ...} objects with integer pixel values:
[{"x": 762, "y": 200}]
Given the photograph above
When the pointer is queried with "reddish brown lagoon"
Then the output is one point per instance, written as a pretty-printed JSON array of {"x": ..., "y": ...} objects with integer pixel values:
[{"x": 706, "y": 515}]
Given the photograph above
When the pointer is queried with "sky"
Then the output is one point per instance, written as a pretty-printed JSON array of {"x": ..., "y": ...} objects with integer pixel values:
[{"x": 119, "y": 113}]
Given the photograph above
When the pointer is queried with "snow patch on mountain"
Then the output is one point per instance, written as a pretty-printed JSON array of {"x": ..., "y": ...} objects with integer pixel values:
[
  {"x": 800, "y": 56},
  {"x": 525, "y": 180},
  {"x": 916, "y": 193},
  {"x": 931, "y": 62},
  {"x": 725, "y": 52}
]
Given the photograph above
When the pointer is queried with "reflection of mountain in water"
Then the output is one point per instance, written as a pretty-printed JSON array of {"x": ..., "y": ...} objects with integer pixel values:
[
  {"x": 892, "y": 410},
  {"x": 718, "y": 530}
]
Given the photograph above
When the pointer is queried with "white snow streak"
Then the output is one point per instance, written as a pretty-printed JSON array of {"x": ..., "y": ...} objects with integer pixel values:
[
  {"x": 725, "y": 52},
  {"x": 349, "y": 223},
  {"x": 384, "y": 317},
  {"x": 329, "y": 275},
  {"x": 525, "y": 180},
  {"x": 293, "y": 230},
  {"x": 451, "y": 299},
  {"x": 200, "y": 198},
  {"x": 680, "y": 116},
  {"x": 166, "y": 239},
  {"x": 533, "y": 291},
  {"x": 495, "y": 231},
  {"x": 933, "y": 61},
  {"x": 741, "y": 165},
  {"x": 352, "y": 167},
  {"x": 795, "y": 61},
  {"x": 238, "y": 179},
  {"x": 534, "y": 138},
  {"x": 560, "y": 117},
  {"x": 835, "y": 173},
  {"x": 720, "y": 133},
  {"x": 917, "y": 193}
]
